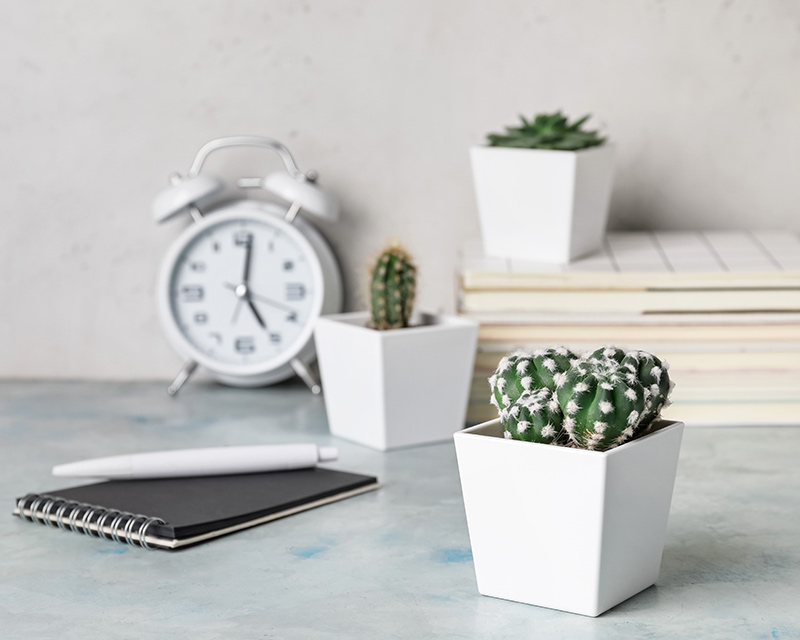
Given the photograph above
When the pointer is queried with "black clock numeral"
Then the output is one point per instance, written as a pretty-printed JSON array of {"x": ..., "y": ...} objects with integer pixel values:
[
  {"x": 292, "y": 317},
  {"x": 270, "y": 246},
  {"x": 288, "y": 265},
  {"x": 242, "y": 238},
  {"x": 215, "y": 246},
  {"x": 295, "y": 291},
  {"x": 200, "y": 317},
  {"x": 192, "y": 293},
  {"x": 275, "y": 338},
  {"x": 245, "y": 344},
  {"x": 199, "y": 267}
]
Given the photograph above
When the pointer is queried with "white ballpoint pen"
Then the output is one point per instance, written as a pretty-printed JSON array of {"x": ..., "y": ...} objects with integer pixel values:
[{"x": 211, "y": 461}]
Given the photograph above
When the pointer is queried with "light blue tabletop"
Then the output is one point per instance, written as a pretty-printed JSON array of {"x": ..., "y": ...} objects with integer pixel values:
[{"x": 394, "y": 563}]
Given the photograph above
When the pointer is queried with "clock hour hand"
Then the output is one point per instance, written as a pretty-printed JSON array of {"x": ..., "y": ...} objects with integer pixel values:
[
  {"x": 256, "y": 313},
  {"x": 243, "y": 295}
]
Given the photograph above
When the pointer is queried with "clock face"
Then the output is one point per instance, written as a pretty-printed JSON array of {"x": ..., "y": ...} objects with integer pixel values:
[{"x": 243, "y": 291}]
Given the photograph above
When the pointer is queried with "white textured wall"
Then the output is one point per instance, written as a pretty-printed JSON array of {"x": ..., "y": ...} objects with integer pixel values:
[{"x": 99, "y": 101}]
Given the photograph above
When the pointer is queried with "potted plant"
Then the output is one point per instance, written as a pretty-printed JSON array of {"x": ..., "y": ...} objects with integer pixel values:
[
  {"x": 391, "y": 378},
  {"x": 544, "y": 184},
  {"x": 567, "y": 493}
]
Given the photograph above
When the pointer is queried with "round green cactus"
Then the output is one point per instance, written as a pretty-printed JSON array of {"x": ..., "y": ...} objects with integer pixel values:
[
  {"x": 602, "y": 406},
  {"x": 597, "y": 401},
  {"x": 525, "y": 371},
  {"x": 653, "y": 375},
  {"x": 647, "y": 369},
  {"x": 392, "y": 289},
  {"x": 535, "y": 417}
]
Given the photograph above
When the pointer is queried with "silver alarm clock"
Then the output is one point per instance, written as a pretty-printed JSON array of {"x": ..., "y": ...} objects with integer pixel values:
[{"x": 240, "y": 290}]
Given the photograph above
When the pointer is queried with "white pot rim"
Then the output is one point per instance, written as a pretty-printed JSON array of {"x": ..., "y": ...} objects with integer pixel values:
[
  {"x": 601, "y": 147},
  {"x": 431, "y": 322},
  {"x": 661, "y": 426}
]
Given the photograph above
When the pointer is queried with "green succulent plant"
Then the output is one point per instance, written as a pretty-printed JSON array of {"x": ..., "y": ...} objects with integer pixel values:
[
  {"x": 597, "y": 401},
  {"x": 547, "y": 131},
  {"x": 647, "y": 369},
  {"x": 392, "y": 289},
  {"x": 525, "y": 371},
  {"x": 536, "y": 417},
  {"x": 602, "y": 406}
]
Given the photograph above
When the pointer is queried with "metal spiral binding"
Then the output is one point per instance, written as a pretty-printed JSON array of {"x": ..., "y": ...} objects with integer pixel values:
[{"x": 124, "y": 527}]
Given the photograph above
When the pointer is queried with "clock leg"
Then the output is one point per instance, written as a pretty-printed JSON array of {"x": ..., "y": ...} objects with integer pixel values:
[
  {"x": 183, "y": 375},
  {"x": 306, "y": 375}
]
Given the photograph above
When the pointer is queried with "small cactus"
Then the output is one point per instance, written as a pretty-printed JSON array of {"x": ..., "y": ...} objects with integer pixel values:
[
  {"x": 392, "y": 289},
  {"x": 650, "y": 371},
  {"x": 602, "y": 407},
  {"x": 597, "y": 401},
  {"x": 535, "y": 417},
  {"x": 654, "y": 375},
  {"x": 527, "y": 371}
]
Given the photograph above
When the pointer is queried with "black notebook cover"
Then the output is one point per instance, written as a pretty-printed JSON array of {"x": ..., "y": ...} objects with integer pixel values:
[{"x": 199, "y": 508}]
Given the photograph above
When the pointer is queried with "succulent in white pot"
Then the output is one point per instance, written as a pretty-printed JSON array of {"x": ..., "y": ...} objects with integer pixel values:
[
  {"x": 581, "y": 468},
  {"x": 392, "y": 378},
  {"x": 543, "y": 189}
]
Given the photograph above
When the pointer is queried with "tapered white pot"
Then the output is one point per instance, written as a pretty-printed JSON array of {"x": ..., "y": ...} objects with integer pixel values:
[
  {"x": 542, "y": 205},
  {"x": 563, "y": 528},
  {"x": 395, "y": 388}
]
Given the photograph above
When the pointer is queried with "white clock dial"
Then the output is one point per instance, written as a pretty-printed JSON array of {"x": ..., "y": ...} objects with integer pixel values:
[{"x": 243, "y": 291}]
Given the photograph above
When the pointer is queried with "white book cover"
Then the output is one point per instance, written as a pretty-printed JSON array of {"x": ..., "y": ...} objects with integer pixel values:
[{"x": 652, "y": 260}]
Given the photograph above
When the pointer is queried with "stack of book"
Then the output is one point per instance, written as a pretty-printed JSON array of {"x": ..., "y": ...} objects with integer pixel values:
[{"x": 723, "y": 308}]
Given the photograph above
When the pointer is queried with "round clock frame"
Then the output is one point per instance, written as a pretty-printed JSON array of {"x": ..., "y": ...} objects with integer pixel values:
[{"x": 213, "y": 207}]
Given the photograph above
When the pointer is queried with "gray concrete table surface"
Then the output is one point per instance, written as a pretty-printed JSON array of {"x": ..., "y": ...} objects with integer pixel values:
[{"x": 394, "y": 563}]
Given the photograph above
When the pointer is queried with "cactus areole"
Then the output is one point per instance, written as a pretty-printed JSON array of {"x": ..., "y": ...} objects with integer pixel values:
[
  {"x": 393, "y": 285},
  {"x": 597, "y": 401}
]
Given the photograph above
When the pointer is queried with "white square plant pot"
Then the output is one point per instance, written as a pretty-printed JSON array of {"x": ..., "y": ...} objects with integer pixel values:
[
  {"x": 564, "y": 528},
  {"x": 395, "y": 388},
  {"x": 541, "y": 205}
]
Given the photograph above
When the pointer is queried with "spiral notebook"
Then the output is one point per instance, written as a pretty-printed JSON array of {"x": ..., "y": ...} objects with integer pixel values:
[{"x": 171, "y": 513}]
